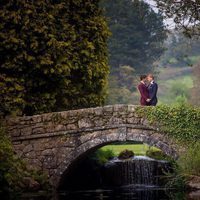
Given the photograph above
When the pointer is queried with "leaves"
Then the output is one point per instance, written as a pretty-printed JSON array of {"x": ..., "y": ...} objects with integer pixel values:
[
  {"x": 54, "y": 47},
  {"x": 181, "y": 122},
  {"x": 137, "y": 34},
  {"x": 185, "y": 14}
]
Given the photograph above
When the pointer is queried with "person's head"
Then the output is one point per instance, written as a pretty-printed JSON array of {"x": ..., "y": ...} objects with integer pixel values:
[
  {"x": 150, "y": 77},
  {"x": 143, "y": 78}
]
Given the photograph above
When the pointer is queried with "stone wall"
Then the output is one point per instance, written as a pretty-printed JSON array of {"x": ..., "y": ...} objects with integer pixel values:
[{"x": 53, "y": 141}]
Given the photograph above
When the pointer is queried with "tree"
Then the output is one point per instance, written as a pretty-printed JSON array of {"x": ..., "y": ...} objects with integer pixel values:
[
  {"x": 181, "y": 50},
  {"x": 53, "y": 55},
  {"x": 185, "y": 14},
  {"x": 137, "y": 34},
  {"x": 136, "y": 43},
  {"x": 122, "y": 85}
]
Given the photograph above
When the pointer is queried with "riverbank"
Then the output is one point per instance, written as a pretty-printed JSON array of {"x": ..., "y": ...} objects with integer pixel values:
[{"x": 194, "y": 183}]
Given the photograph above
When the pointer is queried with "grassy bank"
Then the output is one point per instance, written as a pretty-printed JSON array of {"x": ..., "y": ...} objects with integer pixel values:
[{"x": 138, "y": 149}]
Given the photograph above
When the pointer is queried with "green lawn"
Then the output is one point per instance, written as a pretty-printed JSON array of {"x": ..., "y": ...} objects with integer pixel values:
[{"x": 138, "y": 149}]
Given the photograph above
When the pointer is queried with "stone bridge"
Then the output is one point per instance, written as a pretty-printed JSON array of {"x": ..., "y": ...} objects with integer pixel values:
[{"x": 54, "y": 141}]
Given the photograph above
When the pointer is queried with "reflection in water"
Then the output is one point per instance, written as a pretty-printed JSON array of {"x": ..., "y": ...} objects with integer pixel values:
[
  {"x": 117, "y": 194},
  {"x": 122, "y": 193}
]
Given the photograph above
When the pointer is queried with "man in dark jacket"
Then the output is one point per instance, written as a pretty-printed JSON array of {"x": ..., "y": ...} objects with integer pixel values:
[
  {"x": 144, "y": 98},
  {"x": 152, "y": 88}
]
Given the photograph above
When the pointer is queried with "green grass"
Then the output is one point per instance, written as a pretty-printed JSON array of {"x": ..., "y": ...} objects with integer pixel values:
[
  {"x": 185, "y": 80},
  {"x": 173, "y": 88},
  {"x": 138, "y": 149},
  {"x": 194, "y": 59}
]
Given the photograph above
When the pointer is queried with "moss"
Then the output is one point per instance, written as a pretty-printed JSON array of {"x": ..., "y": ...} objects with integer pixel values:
[{"x": 157, "y": 155}]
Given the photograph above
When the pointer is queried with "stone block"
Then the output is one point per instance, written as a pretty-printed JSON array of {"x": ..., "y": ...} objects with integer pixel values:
[
  {"x": 115, "y": 121},
  {"x": 131, "y": 108},
  {"x": 98, "y": 111},
  {"x": 28, "y": 148},
  {"x": 59, "y": 127},
  {"x": 37, "y": 146},
  {"x": 120, "y": 108},
  {"x": 107, "y": 110},
  {"x": 26, "y": 131},
  {"x": 39, "y": 130},
  {"x": 85, "y": 123},
  {"x": 15, "y": 133},
  {"x": 72, "y": 127},
  {"x": 47, "y": 152},
  {"x": 133, "y": 120},
  {"x": 46, "y": 117}
]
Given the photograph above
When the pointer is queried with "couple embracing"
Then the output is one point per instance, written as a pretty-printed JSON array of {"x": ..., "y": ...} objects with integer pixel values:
[{"x": 148, "y": 90}]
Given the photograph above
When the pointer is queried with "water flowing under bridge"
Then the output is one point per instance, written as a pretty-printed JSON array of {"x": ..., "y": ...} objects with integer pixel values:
[{"x": 52, "y": 142}]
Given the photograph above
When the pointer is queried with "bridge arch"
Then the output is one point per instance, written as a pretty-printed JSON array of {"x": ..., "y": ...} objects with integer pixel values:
[
  {"x": 119, "y": 134},
  {"x": 54, "y": 141}
]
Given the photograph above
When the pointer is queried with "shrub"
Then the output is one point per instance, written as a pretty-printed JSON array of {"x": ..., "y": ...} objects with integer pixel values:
[
  {"x": 103, "y": 156},
  {"x": 125, "y": 154},
  {"x": 157, "y": 155},
  {"x": 10, "y": 166},
  {"x": 13, "y": 170},
  {"x": 53, "y": 55},
  {"x": 189, "y": 162}
]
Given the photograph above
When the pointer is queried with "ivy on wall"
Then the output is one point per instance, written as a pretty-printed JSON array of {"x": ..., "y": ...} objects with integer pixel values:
[{"x": 182, "y": 122}]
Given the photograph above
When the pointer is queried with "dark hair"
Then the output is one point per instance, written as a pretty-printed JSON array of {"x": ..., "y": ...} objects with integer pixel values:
[{"x": 142, "y": 77}]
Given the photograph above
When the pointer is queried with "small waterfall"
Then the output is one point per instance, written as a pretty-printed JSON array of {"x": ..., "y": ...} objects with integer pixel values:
[{"x": 139, "y": 170}]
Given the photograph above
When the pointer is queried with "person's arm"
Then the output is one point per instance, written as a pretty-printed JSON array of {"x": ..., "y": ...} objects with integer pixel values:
[
  {"x": 142, "y": 92},
  {"x": 154, "y": 91}
]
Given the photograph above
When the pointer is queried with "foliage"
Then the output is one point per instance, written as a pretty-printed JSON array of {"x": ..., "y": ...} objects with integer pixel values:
[
  {"x": 13, "y": 170},
  {"x": 181, "y": 51},
  {"x": 179, "y": 90},
  {"x": 177, "y": 181},
  {"x": 187, "y": 166},
  {"x": 103, "y": 156},
  {"x": 10, "y": 166},
  {"x": 157, "y": 155},
  {"x": 185, "y": 14},
  {"x": 53, "y": 55},
  {"x": 125, "y": 154},
  {"x": 180, "y": 122},
  {"x": 137, "y": 34},
  {"x": 122, "y": 85},
  {"x": 189, "y": 162}
]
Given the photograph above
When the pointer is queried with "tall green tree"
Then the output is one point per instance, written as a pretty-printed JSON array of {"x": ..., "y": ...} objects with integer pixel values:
[
  {"x": 137, "y": 34},
  {"x": 53, "y": 55}
]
